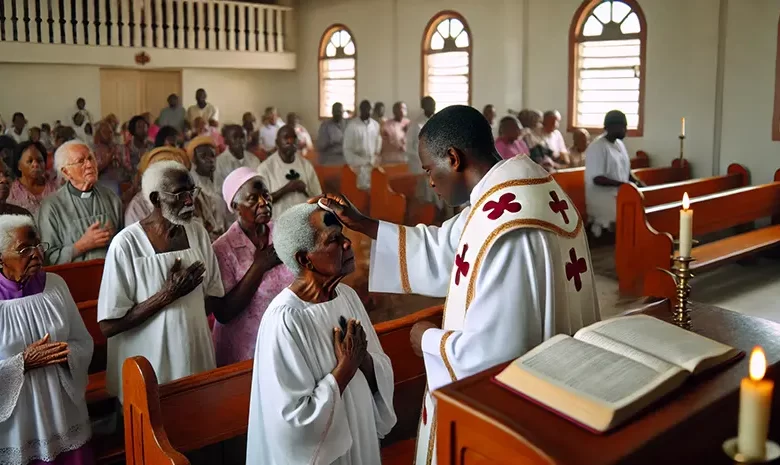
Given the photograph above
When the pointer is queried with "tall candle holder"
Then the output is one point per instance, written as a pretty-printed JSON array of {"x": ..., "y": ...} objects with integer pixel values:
[
  {"x": 681, "y": 273},
  {"x": 682, "y": 144}
]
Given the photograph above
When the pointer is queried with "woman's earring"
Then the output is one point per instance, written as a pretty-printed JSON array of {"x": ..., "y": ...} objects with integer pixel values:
[{"x": 310, "y": 266}]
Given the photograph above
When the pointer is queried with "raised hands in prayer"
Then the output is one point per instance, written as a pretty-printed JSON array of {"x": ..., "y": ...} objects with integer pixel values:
[
  {"x": 351, "y": 349},
  {"x": 95, "y": 237},
  {"x": 182, "y": 281},
  {"x": 266, "y": 257},
  {"x": 42, "y": 353}
]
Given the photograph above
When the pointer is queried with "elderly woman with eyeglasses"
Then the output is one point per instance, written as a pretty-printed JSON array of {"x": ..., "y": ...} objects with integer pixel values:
[
  {"x": 322, "y": 388},
  {"x": 45, "y": 351},
  {"x": 252, "y": 273}
]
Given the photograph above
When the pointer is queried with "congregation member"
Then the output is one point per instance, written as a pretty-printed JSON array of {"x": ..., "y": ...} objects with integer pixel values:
[
  {"x": 509, "y": 143},
  {"x": 6, "y": 179},
  {"x": 235, "y": 156},
  {"x": 79, "y": 125},
  {"x": 319, "y": 394},
  {"x": 581, "y": 139},
  {"x": 252, "y": 274},
  {"x": 46, "y": 137},
  {"x": 173, "y": 115},
  {"x": 7, "y": 149},
  {"x": 31, "y": 185},
  {"x": 394, "y": 136},
  {"x": 44, "y": 357},
  {"x": 81, "y": 108},
  {"x": 209, "y": 206},
  {"x": 168, "y": 136},
  {"x": 290, "y": 177},
  {"x": 152, "y": 127},
  {"x": 305, "y": 144},
  {"x": 114, "y": 165},
  {"x": 551, "y": 121},
  {"x": 202, "y": 109},
  {"x": 489, "y": 112},
  {"x": 140, "y": 206},
  {"x": 139, "y": 143},
  {"x": 271, "y": 125},
  {"x": 248, "y": 121},
  {"x": 18, "y": 129},
  {"x": 378, "y": 113},
  {"x": 157, "y": 276},
  {"x": 533, "y": 136},
  {"x": 330, "y": 138},
  {"x": 35, "y": 134},
  {"x": 80, "y": 218},
  {"x": 607, "y": 167},
  {"x": 521, "y": 229},
  {"x": 424, "y": 190},
  {"x": 362, "y": 145}
]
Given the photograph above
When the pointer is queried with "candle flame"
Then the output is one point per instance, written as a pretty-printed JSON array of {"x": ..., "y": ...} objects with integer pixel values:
[
  {"x": 757, "y": 364},
  {"x": 686, "y": 204}
]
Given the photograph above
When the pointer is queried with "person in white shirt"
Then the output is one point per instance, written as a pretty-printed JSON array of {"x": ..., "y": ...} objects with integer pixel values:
[
  {"x": 304, "y": 139},
  {"x": 203, "y": 109},
  {"x": 234, "y": 156},
  {"x": 290, "y": 178},
  {"x": 18, "y": 129},
  {"x": 607, "y": 167},
  {"x": 271, "y": 125},
  {"x": 362, "y": 144},
  {"x": 553, "y": 137},
  {"x": 81, "y": 107}
]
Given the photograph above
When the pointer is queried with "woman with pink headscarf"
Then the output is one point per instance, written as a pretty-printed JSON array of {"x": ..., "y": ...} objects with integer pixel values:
[{"x": 252, "y": 274}]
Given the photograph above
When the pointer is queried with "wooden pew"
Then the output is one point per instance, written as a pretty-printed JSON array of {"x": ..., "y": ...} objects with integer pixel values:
[
  {"x": 631, "y": 203},
  {"x": 329, "y": 176},
  {"x": 679, "y": 171},
  {"x": 359, "y": 198},
  {"x": 160, "y": 421},
  {"x": 658, "y": 226},
  {"x": 82, "y": 278},
  {"x": 641, "y": 160},
  {"x": 387, "y": 204}
]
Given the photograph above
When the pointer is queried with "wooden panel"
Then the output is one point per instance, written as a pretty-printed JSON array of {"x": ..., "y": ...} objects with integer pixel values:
[
  {"x": 156, "y": 86},
  {"x": 82, "y": 278},
  {"x": 329, "y": 176},
  {"x": 663, "y": 175},
  {"x": 642, "y": 160},
  {"x": 359, "y": 198},
  {"x": 657, "y": 195},
  {"x": 572, "y": 181},
  {"x": 120, "y": 93},
  {"x": 385, "y": 203}
]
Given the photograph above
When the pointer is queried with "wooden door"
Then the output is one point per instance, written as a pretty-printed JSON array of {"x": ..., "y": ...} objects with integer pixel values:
[
  {"x": 120, "y": 93},
  {"x": 156, "y": 86}
]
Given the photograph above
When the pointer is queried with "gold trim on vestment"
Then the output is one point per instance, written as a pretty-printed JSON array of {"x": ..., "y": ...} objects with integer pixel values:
[
  {"x": 405, "y": 286},
  {"x": 443, "y": 351},
  {"x": 432, "y": 437},
  {"x": 539, "y": 224}
]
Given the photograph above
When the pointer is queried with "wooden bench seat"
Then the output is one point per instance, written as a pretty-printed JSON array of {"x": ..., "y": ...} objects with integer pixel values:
[
  {"x": 358, "y": 197},
  {"x": 161, "y": 421},
  {"x": 82, "y": 278},
  {"x": 398, "y": 206},
  {"x": 658, "y": 226},
  {"x": 631, "y": 203}
]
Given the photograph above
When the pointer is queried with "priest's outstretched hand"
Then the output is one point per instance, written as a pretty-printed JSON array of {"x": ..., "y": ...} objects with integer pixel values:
[
  {"x": 351, "y": 349},
  {"x": 348, "y": 214},
  {"x": 416, "y": 335}
]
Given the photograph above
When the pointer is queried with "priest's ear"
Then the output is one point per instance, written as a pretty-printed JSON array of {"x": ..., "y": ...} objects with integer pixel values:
[{"x": 456, "y": 159}]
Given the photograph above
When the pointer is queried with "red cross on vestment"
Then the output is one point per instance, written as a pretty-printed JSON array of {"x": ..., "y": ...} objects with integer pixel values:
[
  {"x": 505, "y": 203},
  {"x": 575, "y": 268},
  {"x": 559, "y": 206},
  {"x": 462, "y": 265}
]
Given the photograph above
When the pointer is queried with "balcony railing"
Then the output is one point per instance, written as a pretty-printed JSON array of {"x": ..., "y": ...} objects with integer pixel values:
[{"x": 207, "y": 25}]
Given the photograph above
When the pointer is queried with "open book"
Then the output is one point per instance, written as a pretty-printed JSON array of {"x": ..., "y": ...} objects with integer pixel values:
[{"x": 613, "y": 369}]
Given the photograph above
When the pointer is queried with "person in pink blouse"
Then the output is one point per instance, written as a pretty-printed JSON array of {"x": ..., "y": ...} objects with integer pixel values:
[
  {"x": 394, "y": 136},
  {"x": 509, "y": 142},
  {"x": 31, "y": 185},
  {"x": 252, "y": 274}
]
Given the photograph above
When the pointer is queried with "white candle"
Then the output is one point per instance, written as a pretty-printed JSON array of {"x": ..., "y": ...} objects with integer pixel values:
[
  {"x": 686, "y": 227},
  {"x": 755, "y": 402},
  {"x": 682, "y": 127}
]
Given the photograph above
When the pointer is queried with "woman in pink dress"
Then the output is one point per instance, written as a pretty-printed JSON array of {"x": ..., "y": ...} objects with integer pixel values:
[
  {"x": 509, "y": 143},
  {"x": 31, "y": 185},
  {"x": 252, "y": 274}
]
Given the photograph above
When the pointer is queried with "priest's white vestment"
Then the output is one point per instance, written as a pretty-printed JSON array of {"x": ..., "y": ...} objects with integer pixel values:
[
  {"x": 297, "y": 416},
  {"x": 514, "y": 266}
]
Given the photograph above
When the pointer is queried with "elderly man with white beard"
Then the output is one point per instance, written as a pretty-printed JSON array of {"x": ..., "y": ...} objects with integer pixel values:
[{"x": 158, "y": 275}]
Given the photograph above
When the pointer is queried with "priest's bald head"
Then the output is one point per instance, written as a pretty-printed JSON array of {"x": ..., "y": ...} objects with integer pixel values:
[{"x": 457, "y": 150}]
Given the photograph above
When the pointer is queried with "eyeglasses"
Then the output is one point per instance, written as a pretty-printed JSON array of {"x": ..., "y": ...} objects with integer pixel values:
[
  {"x": 29, "y": 251},
  {"x": 84, "y": 161},
  {"x": 183, "y": 195}
]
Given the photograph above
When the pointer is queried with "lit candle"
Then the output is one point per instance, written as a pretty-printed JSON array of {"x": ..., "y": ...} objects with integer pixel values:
[
  {"x": 755, "y": 402},
  {"x": 682, "y": 127},
  {"x": 686, "y": 227}
]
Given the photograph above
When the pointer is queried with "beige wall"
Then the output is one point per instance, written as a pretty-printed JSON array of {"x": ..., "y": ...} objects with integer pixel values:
[{"x": 46, "y": 93}]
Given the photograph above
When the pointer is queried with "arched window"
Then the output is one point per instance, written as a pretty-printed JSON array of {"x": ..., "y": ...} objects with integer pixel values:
[
  {"x": 607, "y": 64},
  {"x": 338, "y": 58},
  {"x": 446, "y": 67}
]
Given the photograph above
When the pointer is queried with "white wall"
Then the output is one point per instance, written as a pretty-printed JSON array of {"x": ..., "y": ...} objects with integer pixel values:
[{"x": 46, "y": 93}]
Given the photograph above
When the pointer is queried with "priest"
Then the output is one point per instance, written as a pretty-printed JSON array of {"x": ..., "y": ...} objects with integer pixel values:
[{"x": 514, "y": 264}]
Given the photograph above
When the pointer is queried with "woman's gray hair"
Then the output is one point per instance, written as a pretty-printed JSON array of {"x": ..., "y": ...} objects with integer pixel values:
[
  {"x": 62, "y": 154},
  {"x": 293, "y": 233},
  {"x": 154, "y": 179},
  {"x": 9, "y": 224}
]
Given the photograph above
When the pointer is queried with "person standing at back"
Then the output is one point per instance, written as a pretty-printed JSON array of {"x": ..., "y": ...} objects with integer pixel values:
[
  {"x": 362, "y": 144},
  {"x": 330, "y": 139},
  {"x": 173, "y": 115},
  {"x": 203, "y": 109},
  {"x": 607, "y": 167}
]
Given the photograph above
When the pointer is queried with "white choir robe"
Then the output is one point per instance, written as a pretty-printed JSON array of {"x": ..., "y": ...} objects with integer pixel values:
[
  {"x": 517, "y": 302},
  {"x": 296, "y": 413}
]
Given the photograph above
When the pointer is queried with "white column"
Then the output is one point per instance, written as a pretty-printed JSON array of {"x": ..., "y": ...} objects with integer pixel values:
[
  {"x": 45, "y": 32},
  {"x": 147, "y": 15},
  {"x": 170, "y": 23},
  {"x": 279, "y": 30},
  {"x": 210, "y": 16},
  {"x": 241, "y": 27},
  {"x": 180, "y": 23},
  {"x": 124, "y": 7},
  {"x": 251, "y": 26},
  {"x": 261, "y": 11},
  {"x": 79, "y": 22},
  {"x": 34, "y": 16},
  {"x": 191, "y": 5},
  {"x": 89, "y": 24},
  {"x": 104, "y": 15},
  {"x": 68, "y": 25}
]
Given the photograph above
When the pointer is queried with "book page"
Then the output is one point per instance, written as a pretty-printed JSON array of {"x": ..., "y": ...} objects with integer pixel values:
[
  {"x": 662, "y": 340},
  {"x": 593, "y": 371}
]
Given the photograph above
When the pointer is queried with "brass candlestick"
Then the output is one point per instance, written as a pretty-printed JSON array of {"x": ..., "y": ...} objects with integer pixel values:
[
  {"x": 681, "y": 273},
  {"x": 682, "y": 143}
]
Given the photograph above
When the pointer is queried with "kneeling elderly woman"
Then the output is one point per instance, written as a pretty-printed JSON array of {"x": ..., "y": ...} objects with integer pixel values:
[
  {"x": 322, "y": 388},
  {"x": 44, "y": 355}
]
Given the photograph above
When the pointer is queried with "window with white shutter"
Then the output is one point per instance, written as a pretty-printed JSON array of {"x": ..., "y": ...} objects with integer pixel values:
[
  {"x": 447, "y": 60},
  {"x": 338, "y": 73}
]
